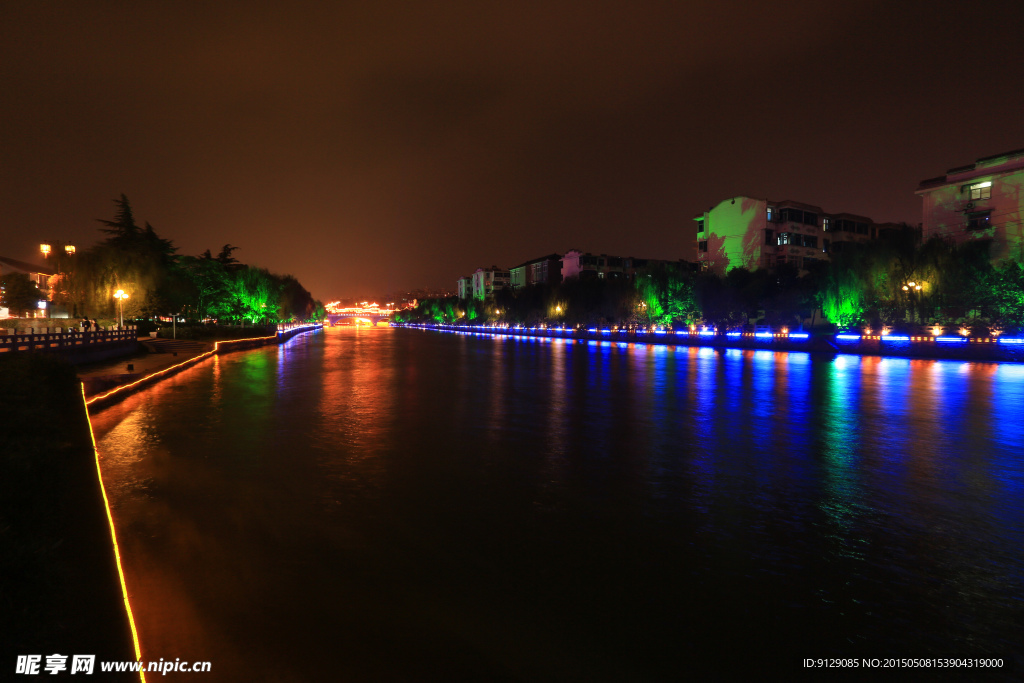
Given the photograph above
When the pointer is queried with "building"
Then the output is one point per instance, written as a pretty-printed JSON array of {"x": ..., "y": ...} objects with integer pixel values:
[
  {"x": 577, "y": 264},
  {"x": 744, "y": 232},
  {"x": 465, "y": 287},
  {"x": 486, "y": 281},
  {"x": 39, "y": 275},
  {"x": 545, "y": 270},
  {"x": 983, "y": 200}
]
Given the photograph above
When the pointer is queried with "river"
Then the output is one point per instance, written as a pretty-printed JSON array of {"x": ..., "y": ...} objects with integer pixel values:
[{"x": 395, "y": 504}]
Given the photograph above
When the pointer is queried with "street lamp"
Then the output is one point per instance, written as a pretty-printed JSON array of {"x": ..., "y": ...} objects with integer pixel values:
[
  {"x": 120, "y": 296},
  {"x": 46, "y": 249},
  {"x": 910, "y": 288}
]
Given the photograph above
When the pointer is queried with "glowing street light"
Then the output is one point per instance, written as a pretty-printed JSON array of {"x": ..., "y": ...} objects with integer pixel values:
[
  {"x": 69, "y": 249},
  {"x": 120, "y": 296},
  {"x": 45, "y": 248}
]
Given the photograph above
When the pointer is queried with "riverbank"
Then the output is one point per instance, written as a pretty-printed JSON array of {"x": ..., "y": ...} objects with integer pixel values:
[
  {"x": 61, "y": 591},
  {"x": 128, "y": 383},
  {"x": 954, "y": 347}
]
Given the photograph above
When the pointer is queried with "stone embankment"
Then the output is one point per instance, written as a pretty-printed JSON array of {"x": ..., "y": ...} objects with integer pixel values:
[{"x": 158, "y": 366}]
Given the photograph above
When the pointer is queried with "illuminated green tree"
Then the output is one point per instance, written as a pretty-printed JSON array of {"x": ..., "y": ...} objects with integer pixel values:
[
  {"x": 844, "y": 297},
  {"x": 667, "y": 296},
  {"x": 253, "y": 295}
]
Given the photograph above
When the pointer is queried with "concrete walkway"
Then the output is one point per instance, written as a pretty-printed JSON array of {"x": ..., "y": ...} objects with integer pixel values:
[{"x": 159, "y": 354}]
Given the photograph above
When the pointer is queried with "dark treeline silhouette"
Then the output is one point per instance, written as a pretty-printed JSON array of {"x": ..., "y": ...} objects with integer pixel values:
[{"x": 161, "y": 282}]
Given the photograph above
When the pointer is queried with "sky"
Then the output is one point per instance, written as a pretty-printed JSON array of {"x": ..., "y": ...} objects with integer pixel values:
[{"x": 372, "y": 147}]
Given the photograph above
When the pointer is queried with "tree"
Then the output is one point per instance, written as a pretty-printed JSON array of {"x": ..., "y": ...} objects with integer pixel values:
[
  {"x": 19, "y": 293},
  {"x": 133, "y": 259},
  {"x": 253, "y": 294}
]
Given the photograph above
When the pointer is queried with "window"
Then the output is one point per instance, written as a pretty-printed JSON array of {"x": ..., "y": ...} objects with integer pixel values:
[
  {"x": 771, "y": 214},
  {"x": 791, "y": 216},
  {"x": 810, "y": 218},
  {"x": 981, "y": 190},
  {"x": 700, "y": 226},
  {"x": 783, "y": 238},
  {"x": 769, "y": 237},
  {"x": 826, "y": 224},
  {"x": 810, "y": 241},
  {"x": 824, "y": 246},
  {"x": 702, "y": 246},
  {"x": 979, "y": 220},
  {"x": 862, "y": 228}
]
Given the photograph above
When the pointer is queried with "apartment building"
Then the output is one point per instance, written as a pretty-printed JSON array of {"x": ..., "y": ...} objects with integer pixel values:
[
  {"x": 982, "y": 200},
  {"x": 486, "y": 281},
  {"x": 464, "y": 286},
  {"x": 542, "y": 270},
  {"x": 746, "y": 232}
]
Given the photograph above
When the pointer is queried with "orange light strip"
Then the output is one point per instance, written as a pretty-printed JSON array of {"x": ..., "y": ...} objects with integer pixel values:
[
  {"x": 113, "y": 538},
  {"x": 194, "y": 359}
]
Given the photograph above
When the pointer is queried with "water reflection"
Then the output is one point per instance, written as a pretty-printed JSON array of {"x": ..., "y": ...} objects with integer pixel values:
[{"x": 498, "y": 507}]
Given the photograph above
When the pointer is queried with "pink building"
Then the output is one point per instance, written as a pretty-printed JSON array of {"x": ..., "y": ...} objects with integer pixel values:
[{"x": 983, "y": 200}]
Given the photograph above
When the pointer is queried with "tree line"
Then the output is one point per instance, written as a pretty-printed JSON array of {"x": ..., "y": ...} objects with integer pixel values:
[
  {"x": 896, "y": 282},
  {"x": 161, "y": 282}
]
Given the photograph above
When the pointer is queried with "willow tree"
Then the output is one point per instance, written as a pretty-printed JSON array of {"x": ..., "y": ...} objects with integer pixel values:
[{"x": 844, "y": 298}]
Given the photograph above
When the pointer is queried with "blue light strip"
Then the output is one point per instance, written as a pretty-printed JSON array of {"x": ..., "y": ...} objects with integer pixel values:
[
  {"x": 848, "y": 337},
  {"x": 951, "y": 340},
  {"x": 799, "y": 335},
  {"x": 892, "y": 337},
  {"x": 1011, "y": 340}
]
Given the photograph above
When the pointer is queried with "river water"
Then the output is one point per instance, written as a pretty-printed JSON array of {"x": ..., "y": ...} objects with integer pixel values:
[{"x": 396, "y": 504}]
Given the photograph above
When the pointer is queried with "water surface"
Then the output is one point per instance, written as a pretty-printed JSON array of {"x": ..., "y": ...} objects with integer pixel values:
[{"x": 391, "y": 504}]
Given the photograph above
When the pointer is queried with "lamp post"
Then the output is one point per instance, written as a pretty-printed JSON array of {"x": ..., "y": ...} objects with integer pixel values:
[
  {"x": 120, "y": 296},
  {"x": 910, "y": 288}
]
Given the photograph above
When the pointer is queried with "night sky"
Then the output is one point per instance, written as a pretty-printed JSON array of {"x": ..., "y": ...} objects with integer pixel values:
[{"x": 379, "y": 146}]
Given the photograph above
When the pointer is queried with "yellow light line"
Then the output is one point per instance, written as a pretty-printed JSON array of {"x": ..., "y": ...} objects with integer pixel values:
[
  {"x": 113, "y": 538},
  {"x": 194, "y": 359}
]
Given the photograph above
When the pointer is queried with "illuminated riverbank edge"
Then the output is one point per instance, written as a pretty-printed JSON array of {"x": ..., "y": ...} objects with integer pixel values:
[
  {"x": 1002, "y": 349},
  {"x": 116, "y": 394}
]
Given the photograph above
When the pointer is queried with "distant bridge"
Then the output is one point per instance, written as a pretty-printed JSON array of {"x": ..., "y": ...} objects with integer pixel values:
[{"x": 371, "y": 316}]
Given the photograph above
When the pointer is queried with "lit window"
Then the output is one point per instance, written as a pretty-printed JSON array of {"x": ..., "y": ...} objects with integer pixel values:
[
  {"x": 981, "y": 190},
  {"x": 783, "y": 238},
  {"x": 826, "y": 224},
  {"x": 771, "y": 214}
]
